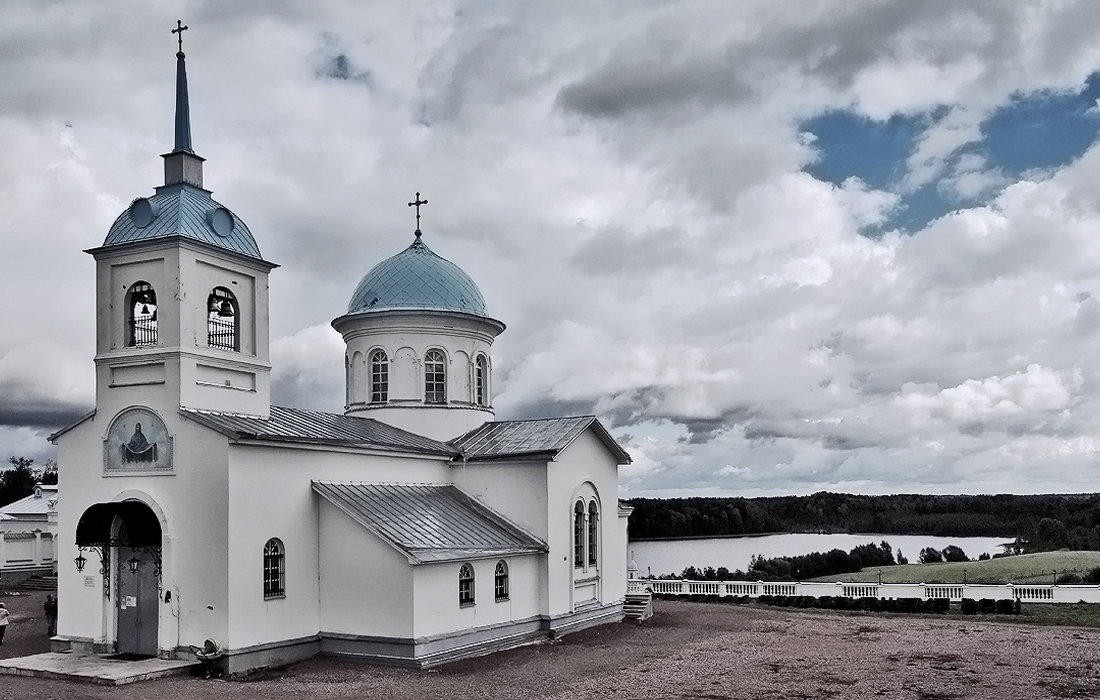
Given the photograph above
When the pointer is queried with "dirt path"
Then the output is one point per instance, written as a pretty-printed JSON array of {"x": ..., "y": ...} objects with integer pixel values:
[{"x": 690, "y": 650}]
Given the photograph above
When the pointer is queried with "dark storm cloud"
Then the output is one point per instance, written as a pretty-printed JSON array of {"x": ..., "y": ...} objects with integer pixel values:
[
  {"x": 541, "y": 407},
  {"x": 41, "y": 414},
  {"x": 652, "y": 87}
]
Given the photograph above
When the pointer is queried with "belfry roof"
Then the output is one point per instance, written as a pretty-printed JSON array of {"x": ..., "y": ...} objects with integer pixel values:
[
  {"x": 429, "y": 522},
  {"x": 182, "y": 207},
  {"x": 183, "y": 210}
]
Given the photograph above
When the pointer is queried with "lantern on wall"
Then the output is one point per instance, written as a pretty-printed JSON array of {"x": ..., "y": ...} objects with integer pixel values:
[
  {"x": 134, "y": 563},
  {"x": 80, "y": 561}
]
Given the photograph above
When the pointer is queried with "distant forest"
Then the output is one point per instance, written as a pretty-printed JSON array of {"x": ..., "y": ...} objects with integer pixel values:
[{"x": 1039, "y": 523}]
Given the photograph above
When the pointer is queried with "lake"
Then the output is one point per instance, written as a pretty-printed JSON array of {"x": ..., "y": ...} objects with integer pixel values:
[{"x": 673, "y": 556}]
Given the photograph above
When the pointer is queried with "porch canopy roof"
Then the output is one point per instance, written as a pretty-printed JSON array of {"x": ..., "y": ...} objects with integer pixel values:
[{"x": 140, "y": 527}]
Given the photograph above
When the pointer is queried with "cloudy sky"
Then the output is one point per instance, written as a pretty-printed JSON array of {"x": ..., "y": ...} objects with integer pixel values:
[{"x": 777, "y": 247}]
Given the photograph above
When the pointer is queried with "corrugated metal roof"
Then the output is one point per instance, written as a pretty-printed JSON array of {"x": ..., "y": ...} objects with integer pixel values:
[
  {"x": 32, "y": 505},
  {"x": 417, "y": 278},
  {"x": 187, "y": 211},
  {"x": 319, "y": 428},
  {"x": 542, "y": 436},
  {"x": 429, "y": 522}
]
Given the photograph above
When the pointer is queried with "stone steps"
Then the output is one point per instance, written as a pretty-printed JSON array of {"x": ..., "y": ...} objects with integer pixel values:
[
  {"x": 39, "y": 583},
  {"x": 638, "y": 606}
]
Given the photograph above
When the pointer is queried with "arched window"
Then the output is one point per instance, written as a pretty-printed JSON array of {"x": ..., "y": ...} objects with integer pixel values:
[
  {"x": 141, "y": 315},
  {"x": 593, "y": 532},
  {"x": 480, "y": 378},
  {"x": 274, "y": 569},
  {"x": 500, "y": 581},
  {"x": 435, "y": 377},
  {"x": 465, "y": 585},
  {"x": 578, "y": 535},
  {"x": 379, "y": 377},
  {"x": 221, "y": 320}
]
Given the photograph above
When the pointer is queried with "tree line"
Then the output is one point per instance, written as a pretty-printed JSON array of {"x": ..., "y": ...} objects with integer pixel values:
[
  {"x": 1037, "y": 522},
  {"x": 815, "y": 564},
  {"x": 18, "y": 480}
]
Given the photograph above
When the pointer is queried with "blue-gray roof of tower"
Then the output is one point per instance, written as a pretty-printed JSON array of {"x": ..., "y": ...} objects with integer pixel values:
[
  {"x": 417, "y": 278},
  {"x": 183, "y": 210}
]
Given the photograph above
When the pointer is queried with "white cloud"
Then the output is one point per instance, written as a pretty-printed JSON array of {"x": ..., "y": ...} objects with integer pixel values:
[{"x": 627, "y": 187}]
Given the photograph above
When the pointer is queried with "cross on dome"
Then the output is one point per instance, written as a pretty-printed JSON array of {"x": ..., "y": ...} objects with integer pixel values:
[{"x": 416, "y": 203}]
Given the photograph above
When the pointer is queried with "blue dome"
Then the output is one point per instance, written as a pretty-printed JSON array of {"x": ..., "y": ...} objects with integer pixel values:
[
  {"x": 187, "y": 211},
  {"x": 417, "y": 278}
]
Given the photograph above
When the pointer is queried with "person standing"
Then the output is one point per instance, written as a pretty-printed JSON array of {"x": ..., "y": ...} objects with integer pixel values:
[
  {"x": 4, "y": 615},
  {"x": 50, "y": 606}
]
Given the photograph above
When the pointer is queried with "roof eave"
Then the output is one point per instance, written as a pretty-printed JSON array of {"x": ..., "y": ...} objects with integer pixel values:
[
  {"x": 62, "y": 431},
  {"x": 177, "y": 237}
]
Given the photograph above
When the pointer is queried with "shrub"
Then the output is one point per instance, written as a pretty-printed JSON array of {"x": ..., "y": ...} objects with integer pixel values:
[
  {"x": 954, "y": 553},
  {"x": 1068, "y": 579},
  {"x": 1093, "y": 576},
  {"x": 930, "y": 555},
  {"x": 987, "y": 606},
  {"x": 908, "y": 605},
  {"x": 1005, "y": 607},
  {"x": 941, "y": 606},
  {"x": 867, "y": 603},
  {"x": 969, "y": 606}
]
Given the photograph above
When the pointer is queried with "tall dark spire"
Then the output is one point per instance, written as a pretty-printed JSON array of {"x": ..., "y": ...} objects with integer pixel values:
[
  {"x": 182, "y": 165},
  {"x": 183, "y": 110}
]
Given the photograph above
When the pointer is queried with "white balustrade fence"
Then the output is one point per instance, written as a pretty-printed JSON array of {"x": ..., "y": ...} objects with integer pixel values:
[{"x": 951, "y": 591}]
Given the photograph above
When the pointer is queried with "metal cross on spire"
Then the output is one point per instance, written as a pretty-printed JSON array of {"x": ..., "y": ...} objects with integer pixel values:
[
  {"x": 180, "y": 29},
  {"x": 416, "y": 203}
]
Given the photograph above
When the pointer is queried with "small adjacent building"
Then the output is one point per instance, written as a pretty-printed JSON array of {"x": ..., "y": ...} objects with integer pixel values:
[
  {"x": 27, "y": 529},
  {"x": 413, "y": 528}
]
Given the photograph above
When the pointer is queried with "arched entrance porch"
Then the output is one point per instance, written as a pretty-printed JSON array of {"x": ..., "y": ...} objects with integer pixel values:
[{"x": 127, "y": 536}]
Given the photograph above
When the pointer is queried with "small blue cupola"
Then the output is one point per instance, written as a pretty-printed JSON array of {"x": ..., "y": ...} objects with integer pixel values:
[{"x": 181, "y": 206}]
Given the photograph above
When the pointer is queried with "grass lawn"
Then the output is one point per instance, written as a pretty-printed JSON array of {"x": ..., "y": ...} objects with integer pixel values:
[{"x": 1023, "y": 568}]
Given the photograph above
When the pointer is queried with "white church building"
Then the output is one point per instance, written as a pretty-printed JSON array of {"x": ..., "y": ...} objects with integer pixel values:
[{"x": 413, "y": 528}]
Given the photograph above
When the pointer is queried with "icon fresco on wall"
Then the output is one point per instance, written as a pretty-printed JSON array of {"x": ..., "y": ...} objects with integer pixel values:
[{"x": 138, "y": 441}]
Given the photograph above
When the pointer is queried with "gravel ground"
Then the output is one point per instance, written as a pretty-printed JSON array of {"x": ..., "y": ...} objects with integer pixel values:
[{"x": 691, "y": 650}]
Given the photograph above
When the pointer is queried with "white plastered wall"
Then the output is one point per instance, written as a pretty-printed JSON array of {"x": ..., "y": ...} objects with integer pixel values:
[
  {"x": 586, "y": 460},
  {"x": 437, "y": 610},
  {"x": 271, "y": 496},
  {"x": 192, "y": 506},
  {"x": 367, "y": 585}
]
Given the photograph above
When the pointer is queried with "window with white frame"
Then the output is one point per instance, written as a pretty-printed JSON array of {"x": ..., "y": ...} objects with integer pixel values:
[
  {"x": 465, "y": 585},
  {"x": 480, "y": 381},
  {"x": 274, "y": 569},
  {"x": 435, "y": 377},
  {"x": 578, "y": 535},
  {"x": 593, "y": 532},
  {"x": 379, "y": 377},
  {"x": 500, "y": 581}
]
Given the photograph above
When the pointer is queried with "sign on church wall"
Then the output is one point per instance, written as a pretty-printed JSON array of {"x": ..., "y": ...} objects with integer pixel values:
[{"x": 137, "y": 441}]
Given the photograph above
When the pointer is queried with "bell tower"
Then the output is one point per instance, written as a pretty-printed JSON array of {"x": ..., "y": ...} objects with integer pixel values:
[{"x": 182, "y": 295}]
